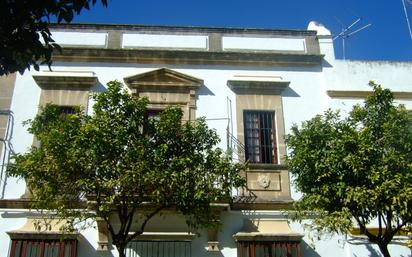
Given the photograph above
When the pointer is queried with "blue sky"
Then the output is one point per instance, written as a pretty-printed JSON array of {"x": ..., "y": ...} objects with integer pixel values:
[{"x": 386, "y": 39}]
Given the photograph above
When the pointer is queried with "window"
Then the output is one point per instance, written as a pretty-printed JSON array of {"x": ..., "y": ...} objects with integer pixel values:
[
  {"x": 43, "y": 248},
  {"x": 153, "y": 114},
  {"x": 165, "y": 87},
  {"x": 260, "y": 136},
  {"x": 268, "y": 249},
  {"x": 67, "y": 109},
  {"x": 159, "y": 248}
]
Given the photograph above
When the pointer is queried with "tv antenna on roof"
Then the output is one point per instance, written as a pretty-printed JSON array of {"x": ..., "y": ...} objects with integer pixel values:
[
  {"x": 406, "y": 4},
  {"x": 349, "y": 31}
]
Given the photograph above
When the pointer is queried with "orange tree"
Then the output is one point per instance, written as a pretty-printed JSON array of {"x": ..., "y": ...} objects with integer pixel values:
[
  {"x": 25, "y": 38},
  {"x": 357, "y": 169},
  {"x": 117, "y": 160}
]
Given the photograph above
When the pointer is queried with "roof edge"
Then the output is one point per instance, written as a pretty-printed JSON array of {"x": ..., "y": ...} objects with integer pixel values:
[{"x": 228, "y": 30}]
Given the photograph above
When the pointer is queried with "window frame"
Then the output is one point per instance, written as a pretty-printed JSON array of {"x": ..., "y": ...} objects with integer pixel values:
[
  {"x": 61, "y": 243},
  {"x": 266, "y": 147},
  {"x": 67, "y": 109},
  {"x": 277, "y": 248}
]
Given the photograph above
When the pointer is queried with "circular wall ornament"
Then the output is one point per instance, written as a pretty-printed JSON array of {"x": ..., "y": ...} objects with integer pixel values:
[{"x": 264, "y": 181}]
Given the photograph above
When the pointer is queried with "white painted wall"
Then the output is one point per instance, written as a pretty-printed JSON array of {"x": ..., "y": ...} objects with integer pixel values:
[
  {"x": 164, "y": 41},
  {"x": 92, "y": 39},
  {"x": 355, "y": 75},
  {"x": 10, "y": 220},
  {"x": 262, "y": 44}
]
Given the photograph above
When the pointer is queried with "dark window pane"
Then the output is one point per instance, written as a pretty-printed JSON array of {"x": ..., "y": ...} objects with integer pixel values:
[
  {"x": 260, "y": 140},
  {"x": 67, "y": 109}
]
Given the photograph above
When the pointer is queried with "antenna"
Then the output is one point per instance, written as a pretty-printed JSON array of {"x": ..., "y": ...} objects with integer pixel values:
[
  {"x": 349, "y": 31},
  {"x": 406, "y": 15}
]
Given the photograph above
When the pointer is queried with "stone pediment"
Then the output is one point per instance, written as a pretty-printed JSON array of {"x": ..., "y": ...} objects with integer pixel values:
[{"x": 162, "y": 79}]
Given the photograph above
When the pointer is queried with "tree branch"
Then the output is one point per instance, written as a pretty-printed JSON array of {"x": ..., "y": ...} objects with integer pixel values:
[
  {"x": 380, "y": 223},
  {"x": 363, "y": 228},
  {"x": 148, "y": 217},
  {"x": 130, "y": 217}
]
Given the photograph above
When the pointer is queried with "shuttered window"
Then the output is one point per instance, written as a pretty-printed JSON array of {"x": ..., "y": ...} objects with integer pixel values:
[
  {"x": 268, "y": 249},
  {"x": 43, "y": 248}
]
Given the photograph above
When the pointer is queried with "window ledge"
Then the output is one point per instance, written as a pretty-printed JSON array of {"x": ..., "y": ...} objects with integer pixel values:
[
  {"x": 258, "y": 87},
  {"x": 264, "y": 166},
  {"x": 166, "y": 236},
  {"x": 277, "y": 237}
]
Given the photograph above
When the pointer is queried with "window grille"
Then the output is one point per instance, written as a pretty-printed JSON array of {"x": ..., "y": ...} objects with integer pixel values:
[
  {"x": 268, "y": 249},
  {"x": 43, "y": 248},
  {"x": 260, "y": 137},
  {"x": 158, "y": 248},
  {"x": 67, "y": 109}
]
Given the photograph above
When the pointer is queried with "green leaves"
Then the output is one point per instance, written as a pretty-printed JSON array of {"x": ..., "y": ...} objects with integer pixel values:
[
  {"x": 22, "y": 24},
  {"x": 358, "y": 167},
  {"x": 118, "y": 159}
]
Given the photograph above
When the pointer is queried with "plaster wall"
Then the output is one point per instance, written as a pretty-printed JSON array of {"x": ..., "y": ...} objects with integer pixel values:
[
  {"x": 9, "y": 220},
  {"x": 96, "y": 39},
  {"x": 273, "y": 44},
  {"x": 355, "y": 75},
  {"x": 164, "y": 41}
]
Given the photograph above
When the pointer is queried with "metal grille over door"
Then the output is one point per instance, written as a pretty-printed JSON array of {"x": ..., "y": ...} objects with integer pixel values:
[{"x": 158, "y": 248}]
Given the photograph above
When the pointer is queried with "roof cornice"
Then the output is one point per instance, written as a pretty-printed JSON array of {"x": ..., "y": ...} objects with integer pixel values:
[
  {"x": 151, "y": 56},
  {"x": 188, "y": 29}
]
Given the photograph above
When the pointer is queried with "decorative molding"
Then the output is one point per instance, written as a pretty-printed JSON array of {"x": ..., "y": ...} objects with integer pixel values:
[
  {"x": 150, "y": 56},
  {"x": 177, "y": 236},
  {"x": 61, "y": 80},
  {"x": 212, "y": 240},
  {"x": 267, "y": 230},
  {"x": 16, "y": 203},
  {"x": 266, "y": 166},
  {"x": 262, "y": 95},
  {"x": 166, "y": 87},
  {"x": 358, "y": 94},
  {"x": 257, "y": 87},
  {"x": 375, "y": 231},
  {"x": 27, "y": 203},
  {"x": 32, "y": 235},
  {"x": 249, "y": 203},
  {"x": 44, "y": 228},
  {"x": 162, "y": 79},
  {"x": 278, "y": 237},
  {"x": 263, "y": 181},
  {"x": 179, "y": 29},
  {"x": 103, "y": 235}
]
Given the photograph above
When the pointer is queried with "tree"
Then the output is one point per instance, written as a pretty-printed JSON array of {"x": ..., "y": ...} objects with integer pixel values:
[
  {"x": 126, "y": 165},
  {"x": 25, "y": 38},
  {"x": 357, "y": 169}
]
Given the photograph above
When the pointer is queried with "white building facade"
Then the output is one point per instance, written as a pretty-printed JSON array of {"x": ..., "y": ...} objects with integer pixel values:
[{"x": 237, "y": 79}]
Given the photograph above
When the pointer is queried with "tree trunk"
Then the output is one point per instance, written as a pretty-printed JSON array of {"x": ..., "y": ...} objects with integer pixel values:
[
  {"x": 121, "y": 249},
  {"x": 384, "y": 249}
]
